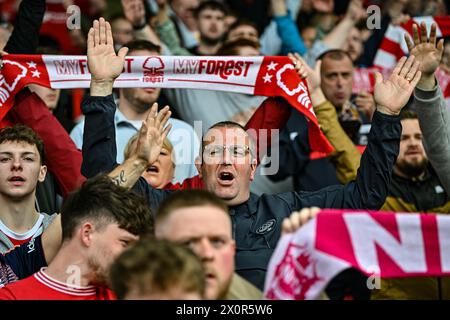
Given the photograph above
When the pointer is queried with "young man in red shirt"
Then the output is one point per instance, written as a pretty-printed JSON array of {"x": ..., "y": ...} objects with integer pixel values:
[{"x": 98, "y": 222}]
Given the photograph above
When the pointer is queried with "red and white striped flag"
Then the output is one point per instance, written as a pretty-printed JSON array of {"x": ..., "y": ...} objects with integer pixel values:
[
  {"x": 393, "y": 46},
  {"x": 380, "y": 244}
]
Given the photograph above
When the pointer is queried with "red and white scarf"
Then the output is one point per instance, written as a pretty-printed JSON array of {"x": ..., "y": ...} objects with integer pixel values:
[
  {"x": 380, "y": 244},
  {"x": 264, "y": 76}
]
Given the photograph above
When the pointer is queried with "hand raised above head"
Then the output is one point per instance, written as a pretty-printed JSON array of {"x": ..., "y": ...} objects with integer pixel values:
[
  {"x": 152, "y": 134},
  {"x": 391, "y": 95},
  {"x": 424, "y": 48},
  {"x": 304, "y": 71},
  {"x": 104, "y": 64}
]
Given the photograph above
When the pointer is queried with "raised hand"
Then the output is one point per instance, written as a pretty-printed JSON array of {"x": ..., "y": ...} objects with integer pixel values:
[
  {"x": 355, "y": 11},
  {"x": 304, "y": 71},
  {"x": 104, "y": 64},
  {"x": 298, "y": 219},
  {"x": 365, "y": 103},
  {"x": 152, "y": 134},
  {"x": 134, "y": 11},
  {"x": 391, "y": 95},
  {"x": 424, "y": 49}
]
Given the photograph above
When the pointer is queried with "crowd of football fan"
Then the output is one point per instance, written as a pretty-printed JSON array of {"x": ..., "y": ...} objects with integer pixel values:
[{"x": 104, "y": 193}]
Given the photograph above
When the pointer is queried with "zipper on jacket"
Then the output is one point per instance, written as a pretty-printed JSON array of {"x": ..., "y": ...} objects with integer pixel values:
[
  {"x": 267, "y": 242},
  {"x": 233, "y": 225}
]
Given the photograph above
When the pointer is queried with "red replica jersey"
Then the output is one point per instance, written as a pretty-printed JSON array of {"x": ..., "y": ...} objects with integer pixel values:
[{"x": 39, "y": 286}]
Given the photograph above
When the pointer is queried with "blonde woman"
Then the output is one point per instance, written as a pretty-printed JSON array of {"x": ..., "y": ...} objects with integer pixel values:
[{"x": 161, "y": 172}]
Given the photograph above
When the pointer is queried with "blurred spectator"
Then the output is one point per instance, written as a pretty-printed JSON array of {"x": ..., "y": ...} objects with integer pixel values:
[
  {"x": 48, "y": 95},
  {"x": 97, "y": 8},
  {"x": 122, "y": 31},
  {"x": 242, "y": 47},
  {"x": 354, "y": 44},
  {"x": 184, "y": 19},
  {"x": 135, "y": 13},
  {"x": 230, "y": 19},
  {"x": 336, "y": 84},
  {"x": 309, "y": 34},
  {"x": 295, "y": 152},
  {"x": 157, "y": 270},
  {"x": 242, "y": 29},
  {"x": 210, "y": 17}
]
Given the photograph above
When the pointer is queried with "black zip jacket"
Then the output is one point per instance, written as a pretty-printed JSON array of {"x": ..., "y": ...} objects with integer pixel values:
[{"x": 257, "y": 222}]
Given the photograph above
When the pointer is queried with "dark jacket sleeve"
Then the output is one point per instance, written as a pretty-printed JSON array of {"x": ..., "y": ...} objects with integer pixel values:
[
  {"x": 372, "y": 44},
  {"x": 25, "y": 36},
  {"x": 370, "y": 188},
  {"x": 154, "y": 197},
  {"x": 99, "y": 136}
]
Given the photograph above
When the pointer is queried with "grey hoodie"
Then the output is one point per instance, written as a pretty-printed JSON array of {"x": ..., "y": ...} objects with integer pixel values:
[{"x": 434, "y": 120}]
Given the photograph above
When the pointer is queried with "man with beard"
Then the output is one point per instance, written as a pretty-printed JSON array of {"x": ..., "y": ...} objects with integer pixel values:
[
  {"x": 99, "y": 221},
  {"x": 210, "y": 17},
  {"x": 415, "y": 186}
]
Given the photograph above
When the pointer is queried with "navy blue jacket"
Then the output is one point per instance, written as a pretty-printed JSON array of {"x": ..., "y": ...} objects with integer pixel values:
[{"x": 257, "y": 222}]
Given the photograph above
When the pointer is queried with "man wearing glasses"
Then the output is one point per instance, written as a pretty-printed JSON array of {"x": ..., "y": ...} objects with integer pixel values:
[{"x": 227, "y": 160}]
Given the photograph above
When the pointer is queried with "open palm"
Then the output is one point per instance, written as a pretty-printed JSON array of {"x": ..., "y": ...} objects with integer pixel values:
[
  {"x": 305, "y": 71},
  {"x": 152, "y": 134},
  {"x": 103, "y": 62},
  {"x": 391, "y": 95},
  {"x": 424, "y": 49}
]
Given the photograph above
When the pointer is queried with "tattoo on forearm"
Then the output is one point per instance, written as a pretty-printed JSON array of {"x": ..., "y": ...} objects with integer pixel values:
[{"x": 120, "y": 179}]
